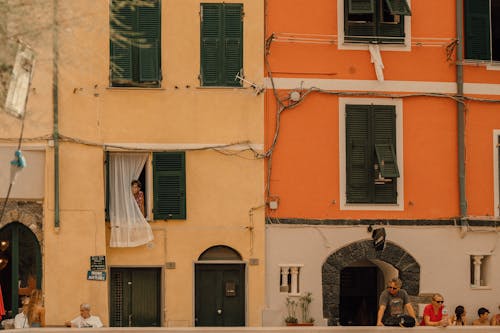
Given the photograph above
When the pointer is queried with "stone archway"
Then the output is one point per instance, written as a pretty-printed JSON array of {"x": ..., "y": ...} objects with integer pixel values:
[{"x": 409, "y": 271}]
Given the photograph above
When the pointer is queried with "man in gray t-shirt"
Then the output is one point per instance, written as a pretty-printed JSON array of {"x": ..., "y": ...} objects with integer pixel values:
[{"x": 392, "y": 303}]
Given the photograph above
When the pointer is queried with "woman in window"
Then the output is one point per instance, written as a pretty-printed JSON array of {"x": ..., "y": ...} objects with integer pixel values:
[{"x": 138, "y": 195}]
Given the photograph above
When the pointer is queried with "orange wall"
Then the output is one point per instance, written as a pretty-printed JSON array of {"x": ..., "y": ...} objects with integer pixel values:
[{"x": 305, "y": 163}]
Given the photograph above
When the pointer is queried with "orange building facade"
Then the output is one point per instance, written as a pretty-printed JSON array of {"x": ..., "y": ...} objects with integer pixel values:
[{"x": 385, "y": 114}]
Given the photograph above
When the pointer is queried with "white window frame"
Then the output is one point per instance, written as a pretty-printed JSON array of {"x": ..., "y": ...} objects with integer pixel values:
[
  {"x": 484, "y": 261},
  {"x": 398, "y": 104},
  {"x": 345, "y": 45},
  {"x": 294, "y": 287}
]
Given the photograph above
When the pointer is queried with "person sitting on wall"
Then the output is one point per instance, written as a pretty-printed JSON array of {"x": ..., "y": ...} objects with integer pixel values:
[
  {"x": 85, "y": 319},
  {"x": 21, "y": 319},
  {"x": 36, "y": 311},
  {"x": 393, "y": 301},
  {"x": 459, "y": 318},
  {"x": 483, "y": 320},
  {"x": 495, "y": 320},
  {"x": 433, "y": 312}
]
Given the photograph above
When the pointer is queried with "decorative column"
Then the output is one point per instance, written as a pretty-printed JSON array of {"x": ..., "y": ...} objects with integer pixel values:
[
  {"x": 477, "y": 269},
  {"x": 284, "y": 279},
  {"x": 294, "y": 271}
]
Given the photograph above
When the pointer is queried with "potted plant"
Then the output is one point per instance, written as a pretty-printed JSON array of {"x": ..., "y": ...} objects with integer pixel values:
[
  {"x": 291, "y": 307},
  {"x": 305, "y": 301}
]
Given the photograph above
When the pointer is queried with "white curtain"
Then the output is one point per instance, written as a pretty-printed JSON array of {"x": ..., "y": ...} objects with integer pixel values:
[{"x": 129, "y": 228}]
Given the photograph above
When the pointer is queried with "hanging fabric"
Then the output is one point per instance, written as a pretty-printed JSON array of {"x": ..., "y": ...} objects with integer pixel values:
[
  {"x": 129, "y": 228},
  {"x": 2, "y": 308}
]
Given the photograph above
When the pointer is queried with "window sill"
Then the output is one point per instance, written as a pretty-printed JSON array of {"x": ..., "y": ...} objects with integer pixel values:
[
  {"x": 220, "y": 87},
  {"x": 480, "y": 287},
  {"x": 372, "y": 206}
]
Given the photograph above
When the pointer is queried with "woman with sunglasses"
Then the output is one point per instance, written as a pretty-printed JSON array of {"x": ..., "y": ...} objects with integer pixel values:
[{"x": 433, "y": 313}]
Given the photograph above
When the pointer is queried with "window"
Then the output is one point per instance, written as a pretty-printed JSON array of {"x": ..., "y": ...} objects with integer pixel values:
[
  {"x": 380, "y": 21},
  {"x": 479, "y": 270},
  {"x": 290, "y": 279},
  {"x": 371, "y": 164},
  {"x": 482, "y": 29},
  {"x": 164, "y": 192},
  {"x": 221, "y": 44},
  {"x": 135, "y": 44}
]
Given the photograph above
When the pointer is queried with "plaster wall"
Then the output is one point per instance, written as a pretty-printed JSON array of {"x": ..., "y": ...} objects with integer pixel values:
[{"x": 442, "y": 253}]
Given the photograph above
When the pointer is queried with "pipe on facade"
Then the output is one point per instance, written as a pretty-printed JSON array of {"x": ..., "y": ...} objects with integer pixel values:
[
  {"x": 55, "y": 106},
  {"x": 461, "y": 110}
]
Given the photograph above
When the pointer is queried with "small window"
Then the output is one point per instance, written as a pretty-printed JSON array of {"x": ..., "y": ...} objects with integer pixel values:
[
  {"x": 220, "y": 252},
  {"x": 221, "y": 44},
  {"x": 290, "y": 279},
  {"x": 380, "y": 21},
  {"x": 135, "y": 44},
  {"x": 479, "y": 270}
]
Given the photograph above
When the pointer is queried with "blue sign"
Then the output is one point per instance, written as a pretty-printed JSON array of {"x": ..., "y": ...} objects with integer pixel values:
[{"x": 96, "y": 275}]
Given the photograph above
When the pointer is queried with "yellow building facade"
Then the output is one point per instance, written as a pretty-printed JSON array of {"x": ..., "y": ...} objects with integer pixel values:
[{"x": 156, "y": 95}]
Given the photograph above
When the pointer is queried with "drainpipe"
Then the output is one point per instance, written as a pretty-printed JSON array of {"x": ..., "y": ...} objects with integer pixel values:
[
  {"x": 55, "y": 105},
  {"x": 461, "y": 111}
]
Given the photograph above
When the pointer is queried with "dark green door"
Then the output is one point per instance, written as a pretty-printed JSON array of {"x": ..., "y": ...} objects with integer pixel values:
[
  {"x": 220, "y": 295},
  {"x": 135, "y": 297}
]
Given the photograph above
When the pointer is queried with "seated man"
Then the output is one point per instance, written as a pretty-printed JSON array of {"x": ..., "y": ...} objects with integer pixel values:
[
  {"x": 483, "y": 314},
  {"x": 392, "y": 305},
  {"x": 85, "y": 319}
]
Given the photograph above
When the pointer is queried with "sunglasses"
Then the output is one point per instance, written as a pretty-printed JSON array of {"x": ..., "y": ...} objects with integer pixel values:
[
  {"x": 393, "y": 288},
  {"x": 440, "y": 302}
]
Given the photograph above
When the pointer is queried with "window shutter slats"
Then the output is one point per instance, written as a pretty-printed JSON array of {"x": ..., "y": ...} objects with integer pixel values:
[
  {"x": 398, "y": 7},
  {"x": 357, "y": 154},
  {"x": 233, "y": 34},
  {"x": 477, "y": 29},
  {"x": 169, "y": 185},
  {"x": 149, "y": 34},
  {"x": 361, "y": 6},
  {"x": 122, "y": 19},
  {"x": 211, "y": 46},
  {"x": 386, "y": 158}
]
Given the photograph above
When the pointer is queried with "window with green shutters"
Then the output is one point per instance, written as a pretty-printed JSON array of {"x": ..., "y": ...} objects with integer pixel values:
[
  {"x": 135, "y": 44},
  {"x": 380, "y": 21},
  {"x": 221, "y": 44},
  {"x": 482, "y": 29},
  {"x": 371, "y": 163},
  {"x": 169, "y": 185}
]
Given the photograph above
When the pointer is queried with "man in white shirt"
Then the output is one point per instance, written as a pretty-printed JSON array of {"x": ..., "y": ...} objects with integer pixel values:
[{"x": 85, "y": 319}]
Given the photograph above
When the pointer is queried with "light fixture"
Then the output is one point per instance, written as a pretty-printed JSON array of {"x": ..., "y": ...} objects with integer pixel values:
[
  {"x": 3, "y": 262},
  {"x": 4, "y": 245}
]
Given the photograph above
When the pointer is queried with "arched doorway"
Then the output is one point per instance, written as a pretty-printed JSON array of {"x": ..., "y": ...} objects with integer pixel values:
[
  {"x": 220, "y": 288},
  {"x": 348, "y": 257},
  {"x": 22, "y": 268}
]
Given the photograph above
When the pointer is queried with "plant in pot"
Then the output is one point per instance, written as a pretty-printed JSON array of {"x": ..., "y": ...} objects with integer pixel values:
[
  {"x": 291, "y": 307},
  {"x": 305, "y": 301}
]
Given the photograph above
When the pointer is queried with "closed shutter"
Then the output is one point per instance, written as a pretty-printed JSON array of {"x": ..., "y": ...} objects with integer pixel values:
[
  {"x": 233, "y": 43},
  {"x": 358, "y": 161},
  {"x": 398, "y": 7},
  {"x": 384, "y": 133},
  {"x": 361, "y": 6},
  {"x": 120, "y": 43},
  {"x": 149, "y": 33},
  {"x": 211, "y": 44},
  {"x": 169, "y": 185},
  {"x": 477, "y": 29}
]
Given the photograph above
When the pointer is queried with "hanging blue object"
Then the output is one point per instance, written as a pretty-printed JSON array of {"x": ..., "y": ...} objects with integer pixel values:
[{"x": 19, "y": 160}]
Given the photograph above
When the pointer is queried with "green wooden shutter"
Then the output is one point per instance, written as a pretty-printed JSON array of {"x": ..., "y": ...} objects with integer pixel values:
[
  {"x": 211, "y": 44},
  {"x": 233, "y": 43},
  {"x": 121, "y": 27},
  {"x": 149, "y": 33},
  {"x": 361, "y": 6},
  {"x": 358, "y": 160},
  {"x": 477, "y": 29},
  {"x": 169, "y": 176},
  {"x": 384, "y": 133},
  {"x": 398, "y": 7},
  {"x": 386, "y": 158}
]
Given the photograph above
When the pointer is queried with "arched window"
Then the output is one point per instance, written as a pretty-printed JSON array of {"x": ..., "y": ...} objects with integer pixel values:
[{"x": 220, "y": 252}]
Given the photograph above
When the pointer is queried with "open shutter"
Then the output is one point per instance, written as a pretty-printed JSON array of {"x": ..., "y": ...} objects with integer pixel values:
[
  {"x": 477, "y": 29},
  {"x": 149, "y": 33},
  {"x": 358, "y": 164},
  {"x": 384, "y": 133},
  {"x": 233, "y": 43},
  {"x": 169, "y": 185},
  {"x": 120, "y": 43},
  {"x": 398, "y": 7},
  {"x": 211, "y": 44},
  {"x": 386, "y": 159}
]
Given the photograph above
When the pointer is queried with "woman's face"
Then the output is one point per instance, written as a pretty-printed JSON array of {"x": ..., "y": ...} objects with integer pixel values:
[{"x": 135, "y": 188}]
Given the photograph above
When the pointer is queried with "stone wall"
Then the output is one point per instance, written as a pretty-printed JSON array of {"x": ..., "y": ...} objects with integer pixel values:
[{"x": 29, "y": 213}]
